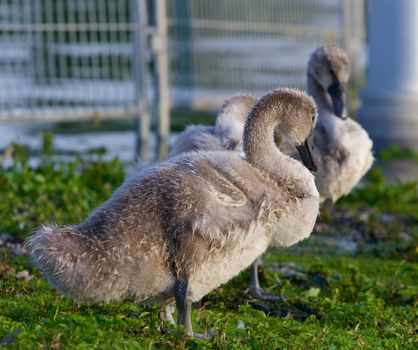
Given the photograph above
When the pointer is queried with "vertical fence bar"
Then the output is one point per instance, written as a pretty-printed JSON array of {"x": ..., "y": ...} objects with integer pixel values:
[
  {"x": 354, "y": 34},
  {"x": 160, "y": 45},
  {"x": 139, "y": 63},
  {"x": 353, "y": 23}
]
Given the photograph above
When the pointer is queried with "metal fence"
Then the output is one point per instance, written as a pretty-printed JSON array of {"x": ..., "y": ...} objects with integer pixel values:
[
  {"x": 71, "y": 59},
  {"x": 77, "y": 59},
  {"x": 221, "y": 47}
]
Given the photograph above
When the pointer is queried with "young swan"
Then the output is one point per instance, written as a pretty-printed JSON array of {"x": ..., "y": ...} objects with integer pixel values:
[
  {"x": 341, "y": 148},
  {"x": 179, "y": 229},
  {"x": 225, "y": 135}
]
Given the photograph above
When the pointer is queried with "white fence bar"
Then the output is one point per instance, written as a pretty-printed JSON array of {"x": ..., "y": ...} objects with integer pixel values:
[
  {"x": 142, "y": 122},
  {"x": 160, "y": 50},
  {"x": 355, "y": 36}
]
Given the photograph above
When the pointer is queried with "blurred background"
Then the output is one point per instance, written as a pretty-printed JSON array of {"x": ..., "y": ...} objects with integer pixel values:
[
  {"x": 73, "y": 60},
  {"x": 128, "y": 75}
]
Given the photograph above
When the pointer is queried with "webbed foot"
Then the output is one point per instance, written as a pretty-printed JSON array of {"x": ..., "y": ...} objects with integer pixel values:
[
  {"x": 254, "y": 288},
  {"x": 258, "y": 293},
  {"x": 205, "y": 336}
]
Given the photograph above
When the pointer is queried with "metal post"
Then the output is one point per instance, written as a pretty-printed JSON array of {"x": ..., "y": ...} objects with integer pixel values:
[
  {"x": 354, "y": 45},
  {"x": 184, "y": 45},
  {"x": 390, "y": 97},
  {"x": 139, "y": 62},
  {"x": 159, "y": 44},
  {"x": 354, "y": 35}
]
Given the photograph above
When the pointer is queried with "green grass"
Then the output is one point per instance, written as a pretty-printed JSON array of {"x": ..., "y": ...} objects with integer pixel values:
[
  {"x": 395, "y": 152},
  {"x": 179, "y": 118},
  {"x": 364, "y": 300},
  {"x": 62, "y": 192},
  {"x": 360, "y": 303}
]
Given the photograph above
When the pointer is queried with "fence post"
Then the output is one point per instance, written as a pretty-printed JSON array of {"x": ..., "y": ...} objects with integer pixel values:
[
  {"x": 354, "y": 35},
  {"x": 390, "y": 98},
  {"x": 139, "y": 63},
  {"x": 160, "y": 46}
]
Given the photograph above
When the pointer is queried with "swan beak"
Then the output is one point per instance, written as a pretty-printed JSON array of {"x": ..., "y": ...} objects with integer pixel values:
[
  {"x": 337, "y": 97},
  {"x": 306, "y": 156}
]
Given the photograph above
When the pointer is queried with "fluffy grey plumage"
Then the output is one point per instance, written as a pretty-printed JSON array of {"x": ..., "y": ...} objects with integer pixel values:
[
  {"x": 196, "y": 138},
  {"x": 342, "y": 149},
  {"x": 192, "y": 222},
  {"x": 225, "y": 135}
]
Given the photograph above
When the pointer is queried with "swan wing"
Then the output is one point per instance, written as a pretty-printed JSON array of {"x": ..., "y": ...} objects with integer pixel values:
[{"x": 228, "y": 201}]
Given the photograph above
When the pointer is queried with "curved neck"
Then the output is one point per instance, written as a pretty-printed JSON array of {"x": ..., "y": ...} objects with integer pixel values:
[
  {"x": 259, "y": 146},
  {"x": 322, "y": 100}
]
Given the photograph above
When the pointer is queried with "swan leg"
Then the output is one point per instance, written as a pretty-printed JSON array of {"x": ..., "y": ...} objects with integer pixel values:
[
  {"x": 184, "y": 309},
  {"x": 166, "y": 313},
  {"x": 184, "y": 306},
  {"x": 254, "y": 288}
]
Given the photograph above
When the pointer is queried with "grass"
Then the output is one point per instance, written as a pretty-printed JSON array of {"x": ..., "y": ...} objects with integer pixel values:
[
  {"x": 53, "y": 191},
  {"x": 365, "y": 299},
  {"x": 360, "y": 303},
  {"x": 179, "y": 118},
  {"x": 395, "y": 152}
]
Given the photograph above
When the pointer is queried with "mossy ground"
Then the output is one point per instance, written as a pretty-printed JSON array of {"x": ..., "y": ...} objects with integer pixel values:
[{"x": 352, "y": 285}]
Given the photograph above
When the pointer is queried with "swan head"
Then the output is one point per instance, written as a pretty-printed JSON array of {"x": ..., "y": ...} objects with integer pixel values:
[
  {"x": 284, "y": 114},
  {"x": 329, "y": 67},
  {"x": 299, "y": 122}
]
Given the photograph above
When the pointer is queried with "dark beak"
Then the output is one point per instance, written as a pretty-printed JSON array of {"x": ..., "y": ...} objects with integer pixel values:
[
  {"x": 305, "y": 154},
  {"x": 338, "y": 98}
]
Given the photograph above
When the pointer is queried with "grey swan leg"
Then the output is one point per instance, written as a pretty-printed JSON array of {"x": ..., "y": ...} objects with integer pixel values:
[
  {"x": 254, "y": 288},
  {"x": 184, "y": 309}
]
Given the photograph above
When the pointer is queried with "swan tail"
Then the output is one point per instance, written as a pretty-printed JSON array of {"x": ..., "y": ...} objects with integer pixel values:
[{"x": 65, "y": 256}]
